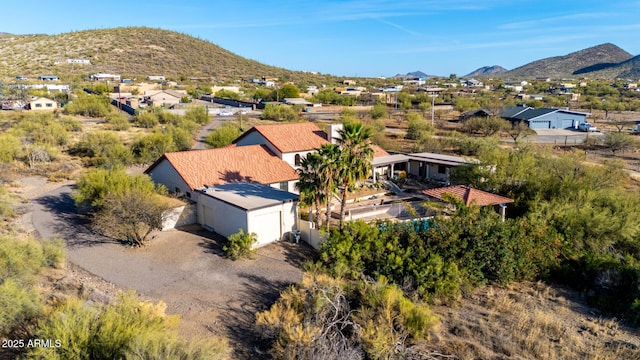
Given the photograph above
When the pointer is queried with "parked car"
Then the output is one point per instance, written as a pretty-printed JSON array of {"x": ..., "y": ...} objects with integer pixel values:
[
  {"x": 225, "y": 113},
  {"x": 587, "y": 127}
]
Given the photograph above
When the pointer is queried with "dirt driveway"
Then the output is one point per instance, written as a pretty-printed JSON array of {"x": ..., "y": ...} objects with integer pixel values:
[{"x": 184, "y": 268}]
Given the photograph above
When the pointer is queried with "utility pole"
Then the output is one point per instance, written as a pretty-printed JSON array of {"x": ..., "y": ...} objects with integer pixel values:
[{"x": 433, "y": 108}]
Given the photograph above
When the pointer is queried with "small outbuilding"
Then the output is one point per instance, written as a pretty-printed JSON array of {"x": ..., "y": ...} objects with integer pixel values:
[{"x": 252, "y": 207}]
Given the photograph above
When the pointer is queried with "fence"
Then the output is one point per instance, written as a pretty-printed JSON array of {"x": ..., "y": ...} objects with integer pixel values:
[{"x": 631, "y": 158}]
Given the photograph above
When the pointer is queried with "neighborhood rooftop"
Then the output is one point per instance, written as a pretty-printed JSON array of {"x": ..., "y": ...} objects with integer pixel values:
[
  {"x": 468, "y": 195},
  {"x": 253, "y": 163},
  {"x": 250, "y": 196},
  {"x": 290, "y": 137}
]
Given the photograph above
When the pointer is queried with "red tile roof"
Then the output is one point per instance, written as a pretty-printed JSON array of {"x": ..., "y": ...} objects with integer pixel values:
[
  {"x": 468, "y": 195},
  {"x": 378, "y": 151},
  {"x": 291, "y": 137},
  {"x": 252, "y": 163}
]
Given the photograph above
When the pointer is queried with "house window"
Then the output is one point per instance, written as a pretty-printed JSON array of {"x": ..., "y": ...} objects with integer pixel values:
[
  {"x": 177, "y": 190},
  {"x": 284, "y": 186},
  {"x": 49, "y": 105},
  {"x": 442, "y": 169},
  {"x": 297, "y": 160},
  {"x": 189, "y": 194},
  {"x": 38, "y": 105}
]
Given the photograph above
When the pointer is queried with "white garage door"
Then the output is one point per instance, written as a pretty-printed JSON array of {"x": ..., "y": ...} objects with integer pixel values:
[{"x": 267, "y": 226}]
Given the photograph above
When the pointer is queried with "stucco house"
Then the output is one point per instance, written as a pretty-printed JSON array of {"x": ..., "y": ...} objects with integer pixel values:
[
  {"x": 166, "y": 98},
  {"x": 185, "y": 172},
  {"x": 544, "y": 118},
  {"x": 292, "y": 142},
  {"x": 268, "y": 212},
  {"x": 42, "y": 103}
]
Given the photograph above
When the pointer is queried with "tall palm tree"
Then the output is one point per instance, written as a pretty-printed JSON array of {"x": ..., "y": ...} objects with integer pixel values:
[
  {"x": 310, "y": 184},
  {"x": 329, "y": 170},
  {"x": 355, "y": 159}
]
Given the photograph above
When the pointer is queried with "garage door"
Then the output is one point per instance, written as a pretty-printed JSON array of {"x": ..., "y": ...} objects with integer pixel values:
[
  {"x": 567, "y": 123},
  {"x": 540, "y": 124},
  {"x": 267, "y": 226}
]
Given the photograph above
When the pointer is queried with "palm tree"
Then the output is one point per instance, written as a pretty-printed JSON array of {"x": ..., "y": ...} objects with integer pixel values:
[
  {"x": 310, "y": 183},
  {"x": 355, "y": 159},
  {"x": 329, "y": 170}
]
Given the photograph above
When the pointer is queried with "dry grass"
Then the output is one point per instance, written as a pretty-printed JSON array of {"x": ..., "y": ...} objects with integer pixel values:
[{"x": 532, "y": 321}]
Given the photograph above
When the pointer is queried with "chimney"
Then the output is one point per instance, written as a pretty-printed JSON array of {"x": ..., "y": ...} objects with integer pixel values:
[{"x": 333, "y": 133}]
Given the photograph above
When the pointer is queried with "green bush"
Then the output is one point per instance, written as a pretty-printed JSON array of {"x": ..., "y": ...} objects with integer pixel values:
[
  {"x": 117, "y": 121},
  {"x": 147, "y": 120},
  {"x": 150, "y": 147},
  {"x": 88, "y": 105},
  {"x": 21, "y": 260},
  {"x": 222, "y": 136},
  {"x": 332, "y": 318},
  {"x": 379, "y": 111},
  {"x": 279, "y": 113},
  {"x": 123, "y": 329},
  {"x": 197, "y": 114},
  {"x": 240, "y": 245},
  {"x": 9, "y": 148}
]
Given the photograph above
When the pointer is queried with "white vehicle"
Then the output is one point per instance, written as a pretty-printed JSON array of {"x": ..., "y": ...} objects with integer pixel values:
[
  {"x": 587, "y": 127},
  {"x": 225, "y": 113}
]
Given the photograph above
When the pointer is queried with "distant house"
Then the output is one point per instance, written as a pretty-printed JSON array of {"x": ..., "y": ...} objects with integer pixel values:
[
  {"x": 105, "y": 77},
  {"x": 472, "y": 83},
  {"x": 544, "y": 118},
  {"x": 185, "y": 172},
  {"x": 255, "y": 208},
  {"x": 471, "y": 196},
  {"x": 166, "y": 98},
  {"x": 78, "y": 61},
  {"x": 156, "y": 78},
  {"x": 475, "y": 113},
  {"x": 42, "y": 103},
  {"x": 48, "y": 78}
]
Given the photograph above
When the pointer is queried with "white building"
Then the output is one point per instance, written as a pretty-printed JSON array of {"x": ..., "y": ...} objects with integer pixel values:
[{"x": 269, "y": 213}]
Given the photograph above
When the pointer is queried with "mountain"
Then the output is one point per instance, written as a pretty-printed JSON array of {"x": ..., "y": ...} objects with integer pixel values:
[
  {"x": 584, "y": 61},
  {"x": 131, "y": 52},
  {"x": 415, "y": 74},
  {"x": 486, "y": 70}
]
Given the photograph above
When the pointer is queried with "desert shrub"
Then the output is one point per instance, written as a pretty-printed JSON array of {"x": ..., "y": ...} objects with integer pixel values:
[
  {"x": 197, "y": 114},
  {"x": 147, "y": 120},
  {"x": 20, "y": 306},
  {"x": 150, "y": 147},
  {"x": 279, "y": 113},
  {"x": 9, "y": 147},
  {"x": 240, "y": 245},
  {"x": 222, "y": 136},
  {"x": 95, "y": 184},
  {"x": 331, "y": 318},
  {"x": 182, "y": 138},
  {"x": 123, "y": 329},
  {"x": 21, "y": 260},
  {"x": 417, "y": 126},
  {"x": 104, "y": 149},
  {"x": 70, "y": 124},
  {"x": 88, "y": 105},
  {"x": 379, "y": 111},
  {"x": 117, "y": 121}
]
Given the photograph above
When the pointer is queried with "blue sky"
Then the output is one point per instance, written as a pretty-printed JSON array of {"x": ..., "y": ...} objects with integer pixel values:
[{"x": 358, "y": 37}]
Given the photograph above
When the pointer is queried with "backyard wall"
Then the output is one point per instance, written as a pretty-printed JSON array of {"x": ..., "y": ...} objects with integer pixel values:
[{"x": 180, "y": 216}]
